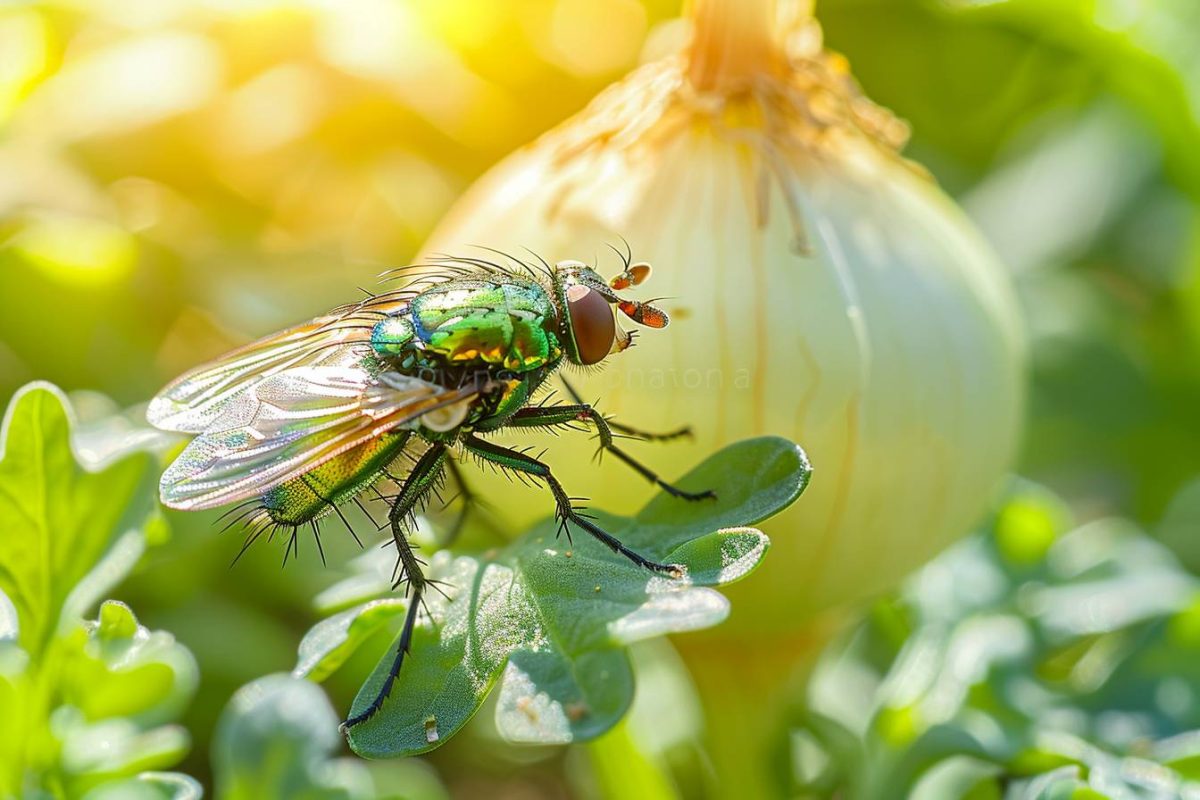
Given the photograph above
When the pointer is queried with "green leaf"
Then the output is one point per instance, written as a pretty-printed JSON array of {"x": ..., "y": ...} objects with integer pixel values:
[
  {"x": 1132, "y": 54},
  {"x": 119, "y": 682},
  {"x": 1181, "y": 522},
  {"x": 1056, "y": 663},
  {"x": 112, "y": 747},
  {"x": 82, "y": 704},
  {"x": 754, "y": 479},
  {"x": 149, "y": 786},
  {"x": 958, "y": 778},
  {"x": 9, "y": 624},
  {"x": 58, "y": 518},
  {"x": 1061, "y": 784},
  {"x": 550, "y": 619},
  {"x": 328, "y": 643},
  {"x": 275, "y": 739},
  {"x": 126, "y": 670}
]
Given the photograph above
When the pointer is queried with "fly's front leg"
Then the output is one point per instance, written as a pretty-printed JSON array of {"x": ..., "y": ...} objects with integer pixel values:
[
  {"x": 511, "y": 459},
  {"x": 679, "y": 433},
  {"x": 418, "y": 484},
  {"x": 565, "y": 415}
]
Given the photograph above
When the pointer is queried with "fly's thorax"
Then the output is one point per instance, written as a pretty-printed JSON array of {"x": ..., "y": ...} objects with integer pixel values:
[
  {"x": 508, "y": 322},
  {"x": 314, "y": 494}
]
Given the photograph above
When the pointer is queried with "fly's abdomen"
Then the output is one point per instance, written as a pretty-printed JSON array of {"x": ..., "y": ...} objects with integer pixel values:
[
  {"x": 508, "y": 324},
  {"x": 315, "y": 493}
]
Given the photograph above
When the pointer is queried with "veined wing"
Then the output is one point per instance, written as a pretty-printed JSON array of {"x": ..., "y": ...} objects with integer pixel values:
[
  {"x": 193, "y": 401},
  {"x": 296, "y": 420}
]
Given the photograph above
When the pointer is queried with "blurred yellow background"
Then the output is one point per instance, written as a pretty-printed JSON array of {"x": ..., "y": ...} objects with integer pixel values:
[{"x": 178, "y": 176}]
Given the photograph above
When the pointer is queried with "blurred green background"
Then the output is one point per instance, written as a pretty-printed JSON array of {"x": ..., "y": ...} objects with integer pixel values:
[{"x": 178, "y": 177}]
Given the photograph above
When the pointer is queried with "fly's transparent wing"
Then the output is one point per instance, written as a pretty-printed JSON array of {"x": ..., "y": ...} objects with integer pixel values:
[
  {"x": 296, "y": 420},
  {"x": 192, "y": 402}
]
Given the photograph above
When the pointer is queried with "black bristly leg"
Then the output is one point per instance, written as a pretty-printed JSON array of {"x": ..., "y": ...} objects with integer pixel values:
[
  {"x": 416, "y": 486},
  {"x": 418, "y": 483},
  {"x": 511, "y": 459},
  {"x": 565, "y": 415},
  {"x": 469, "y": 501},
  {"x": 679, "y": 433}
]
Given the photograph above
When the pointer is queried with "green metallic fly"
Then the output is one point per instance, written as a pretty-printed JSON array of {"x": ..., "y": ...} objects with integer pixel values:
[{"x": 400, "y": 386}]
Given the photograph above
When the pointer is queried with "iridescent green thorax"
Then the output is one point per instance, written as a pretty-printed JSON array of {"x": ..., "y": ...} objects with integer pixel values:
[{"x": 509, "y": 322}]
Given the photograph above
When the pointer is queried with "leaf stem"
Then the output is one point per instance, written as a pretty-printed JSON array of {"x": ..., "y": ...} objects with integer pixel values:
[
  {"x": 623, "y": 772},
  {"x": 748, "y": 690}
]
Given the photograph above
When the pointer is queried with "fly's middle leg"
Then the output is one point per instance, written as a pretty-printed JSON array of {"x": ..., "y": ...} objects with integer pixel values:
[
  {"x": 416, "y": 486},
  {"x": 566, "y": 415},
  {"x": 508, "y": 458},
  {"x": 684, "y": 432}
]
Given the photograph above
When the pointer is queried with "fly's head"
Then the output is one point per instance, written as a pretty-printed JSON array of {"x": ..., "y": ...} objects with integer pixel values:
[{"x": 586, "y": 304}]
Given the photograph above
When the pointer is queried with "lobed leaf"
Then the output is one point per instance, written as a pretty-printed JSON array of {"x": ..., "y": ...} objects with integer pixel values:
[
  {"x": 549, "y": 619},
  {"x": 82, "y": 704},
  {"x": 125, "y": 670},
  {"x": 58, "y": 518}
]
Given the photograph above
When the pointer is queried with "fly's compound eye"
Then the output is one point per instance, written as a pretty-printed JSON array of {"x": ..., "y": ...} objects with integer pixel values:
[{"x": 592, "y": 323}]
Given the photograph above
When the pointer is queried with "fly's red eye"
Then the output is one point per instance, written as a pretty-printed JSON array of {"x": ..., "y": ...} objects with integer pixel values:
[{"x": 592, "y": 324}]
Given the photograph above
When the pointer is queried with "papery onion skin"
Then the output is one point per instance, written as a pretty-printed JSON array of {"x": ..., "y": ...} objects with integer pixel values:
[{"x": 821, "y": 288}]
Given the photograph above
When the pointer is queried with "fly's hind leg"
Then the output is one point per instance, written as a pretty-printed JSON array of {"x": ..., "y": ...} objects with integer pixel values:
[
  {"x": 416, "y": 486},
  {"x": 567, "y": 415},
  {"x": 678, "y": 433},
  {"x": 469, "y": 499},
  {"x": 514, "y": 460}
]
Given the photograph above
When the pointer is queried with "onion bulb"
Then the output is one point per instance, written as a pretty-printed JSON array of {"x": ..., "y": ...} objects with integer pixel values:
[{"x": 820, "y": 287}]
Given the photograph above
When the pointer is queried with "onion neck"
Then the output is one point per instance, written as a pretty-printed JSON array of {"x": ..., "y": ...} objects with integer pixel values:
[{"x": 734, "y": 41}]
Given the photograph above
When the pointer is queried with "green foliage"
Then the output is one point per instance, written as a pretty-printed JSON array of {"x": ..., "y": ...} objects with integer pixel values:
[
  {"x": 276, "y": 738},
  {"x": 61, "y": 519},
  {"x": 84, "y": 706},
  {"x": 1132, "y": 53},
  {"x": 1032, "y": 661},
  {"x": 551, "y": 620}
]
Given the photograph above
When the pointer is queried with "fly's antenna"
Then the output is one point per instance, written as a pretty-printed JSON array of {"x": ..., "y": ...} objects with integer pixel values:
[
  {"x": 626, "y": 257},
  {"x": 644, "y": 313}
]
